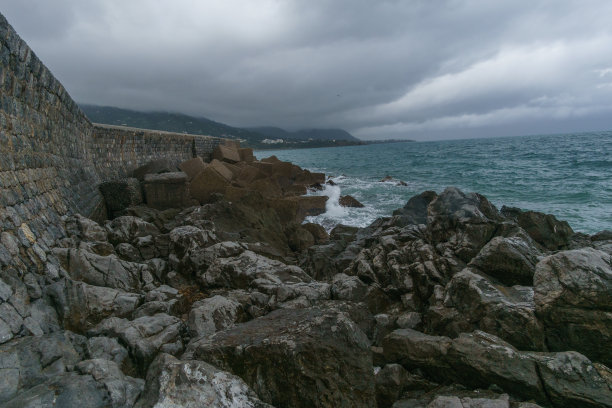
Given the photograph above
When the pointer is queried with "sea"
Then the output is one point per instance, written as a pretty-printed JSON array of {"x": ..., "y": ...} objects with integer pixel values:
[{"x": 567, "y": 175}]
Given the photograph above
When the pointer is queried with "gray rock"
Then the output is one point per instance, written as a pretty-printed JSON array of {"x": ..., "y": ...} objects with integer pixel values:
[
  {"x": 197, "y": 259},
  {"x": 193, "y": 384},
  {"x": 69, "y": 390},
  {"x": 391, "y": 381},
  {"x": 127, "y": 228},
  {"x": 30, "y": 361},
  {"x": 123, "y": 390},
  {"x": 466, "y": 221},
  {"x": 186, "y": 238},
  {"x": 479, "y": 359},
  {"x": 346, "y": 287},
  {"x": 85, "y": 229},
  {"x": 415, "y": 210},
  {"x": 108, "y": 271},
  {"x": 571, "y": 380},
  {"x": 251, "y": 270},
  {"x": 545, "y": 229},
  {"x": 477, "y": 303},
  {"x": 299, "y": 358},
  {"x": 210, "y": 315},
  {"x": 128, "y": 252},
  {"x": 511, "y": 260},
  {"x": 107, "y": 349},
  {"x": 572, "y": 297},
  {"x": 82, "y": 306},
  {"x": 145, "y": 336}
]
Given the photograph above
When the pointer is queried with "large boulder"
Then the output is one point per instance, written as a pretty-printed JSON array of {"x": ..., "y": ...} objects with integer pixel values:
[
  {"x": 479, "y": 359},
  {"x": 511, "y": 260},
  {"x": 81, "y": 306},
  {"x": 145, "y": 336},
  {"x": 128, "y": 228},
  {"x": 123, "y": 390},
  {"x": 107, "y": 271},
  {"x": 415, "y": 210},
  {"x": 246, "y": 154},
  {"x": 297, "y": 358},
  {"x": 572, "y": 297},
  {"x": 29, "y": 361},
  {"x": 208, "y": 316},
  {"x": 167, "y": 190},
  {"x": 250, "y": 270},
  {"x": 545, "y": 229},
  {"x": 350, "y": 201},
  {"x": 194, "y": 384},
  {"x": 226, "y": 153},
  {"x": 207, "y": 183},
  {"x": 465, "y": 221},
  {"x": 192, "y": 167},
  {"x": 477, "y": 303}
]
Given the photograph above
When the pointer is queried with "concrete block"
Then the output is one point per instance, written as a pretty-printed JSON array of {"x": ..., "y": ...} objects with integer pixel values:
[
  {"x": 246, "y": 154},
  {"x": 222, "y": 169},
  {"x": 227, "y": 154},
  {"x": 206, "y": 183},
  {"x": 167, "y": 190},
  {"x": 192, "y": 167}
]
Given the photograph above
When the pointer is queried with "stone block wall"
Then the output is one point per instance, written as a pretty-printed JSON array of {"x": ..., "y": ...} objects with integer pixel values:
[
  {"x": 52, "y": 158},
  {"x": 117, "y": 150}
]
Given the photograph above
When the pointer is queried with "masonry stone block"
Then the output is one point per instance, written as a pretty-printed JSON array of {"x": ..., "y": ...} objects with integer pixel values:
[{"x": 167, "y": 190}]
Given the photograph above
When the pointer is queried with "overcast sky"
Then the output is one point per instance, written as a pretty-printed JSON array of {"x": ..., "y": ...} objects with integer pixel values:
[{"x": 379, "y": 69}]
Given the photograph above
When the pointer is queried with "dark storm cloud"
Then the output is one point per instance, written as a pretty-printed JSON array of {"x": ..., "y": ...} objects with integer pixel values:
[{"x": 385, "y": 69}]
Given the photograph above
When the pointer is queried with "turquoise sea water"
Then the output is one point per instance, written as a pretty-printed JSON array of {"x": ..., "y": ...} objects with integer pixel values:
[{"x": 568, "y": 175}]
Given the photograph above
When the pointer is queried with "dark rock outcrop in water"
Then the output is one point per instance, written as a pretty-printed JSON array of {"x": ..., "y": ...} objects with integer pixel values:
[{"x": 233, "y": 302}]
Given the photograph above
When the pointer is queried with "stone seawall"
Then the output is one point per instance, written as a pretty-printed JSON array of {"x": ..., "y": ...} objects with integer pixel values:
[
  {"x": 117, "y": 150},
  {"x": 52, "y": 158}
]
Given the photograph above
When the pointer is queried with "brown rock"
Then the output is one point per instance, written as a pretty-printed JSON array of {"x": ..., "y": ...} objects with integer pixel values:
[
  {"x": 299, "y": 238},
  {"x": 222, "y": 169},
  {"x": 192, "y": 167},
  {"x": 226, "y": 153},
  {"x": 249, "y": 173},
  {"x": 233, "y": 193},
  {"x": 167, "y": 190},
  {"x": 295, "y": 190},
  {"x": 317, "y": 231},
  {"x": 267, "y": 187},
  {"x": 307, "y": 178},
  {"x": 206, "y": 183},
  {"x": 246, "y": 155},
  {"x": 309, "y": 205},
  {"x": 271, "y": 159},
  {"x": 350, "y": 201}
]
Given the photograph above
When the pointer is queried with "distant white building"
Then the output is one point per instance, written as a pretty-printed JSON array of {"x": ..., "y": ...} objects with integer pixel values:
[{"x": 272, "y": 141}]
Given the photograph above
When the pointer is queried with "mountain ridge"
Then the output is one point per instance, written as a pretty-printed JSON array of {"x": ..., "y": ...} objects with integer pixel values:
[{"x": 256, "y": 137}]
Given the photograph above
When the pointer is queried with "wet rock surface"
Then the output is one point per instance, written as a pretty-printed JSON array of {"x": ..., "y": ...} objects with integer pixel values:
[{"x": 234, "y": 302}]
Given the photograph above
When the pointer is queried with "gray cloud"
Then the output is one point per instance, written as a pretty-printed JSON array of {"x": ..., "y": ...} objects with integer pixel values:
[{"x": 386, "y": 69}]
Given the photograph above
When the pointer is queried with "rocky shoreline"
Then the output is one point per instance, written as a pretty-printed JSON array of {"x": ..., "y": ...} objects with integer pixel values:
[{"x": 214, "y": 293}]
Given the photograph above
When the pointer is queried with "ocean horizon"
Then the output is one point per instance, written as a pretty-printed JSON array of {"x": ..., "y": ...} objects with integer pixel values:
[{"x": 568, "y": 175}]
